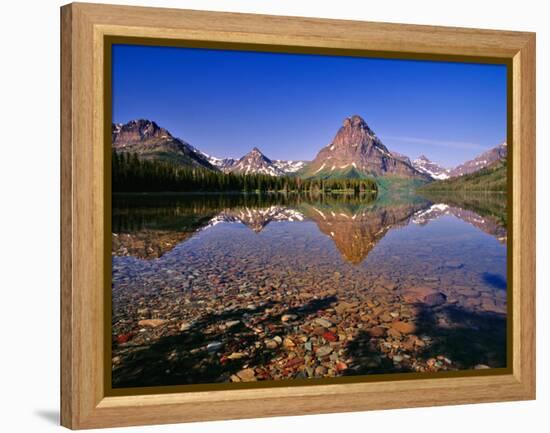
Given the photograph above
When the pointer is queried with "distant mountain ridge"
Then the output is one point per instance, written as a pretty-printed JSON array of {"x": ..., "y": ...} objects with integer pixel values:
[
  {"x": 223, "y": 164},
  {"x": 486, "y": 159},
  {"x": 289, "y": 166},
  {"x": 490, "y": 178},
  {"x": 149, "y": 141},
  {"x": 255, "y": 162},
  {"x": 275, "y": 167}
]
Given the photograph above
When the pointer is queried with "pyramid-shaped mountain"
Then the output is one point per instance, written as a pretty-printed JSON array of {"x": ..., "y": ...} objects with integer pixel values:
[
  {"x": 255, "y": 162},
  {"x": 356, "y": 151}
]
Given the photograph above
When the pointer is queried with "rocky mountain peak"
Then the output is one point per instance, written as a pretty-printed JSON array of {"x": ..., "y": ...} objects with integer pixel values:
[
  {"x": 255, "y": 162},
  {"x": 256, "y": 155},
  {"x": 356, "y": 151},
  {"x": 138, "y": 130},
  {"x": 424, "y": 165},
  {"x": 148, "y": 140},
  {"x": 355, "y": 133},
  {"x": 356, "y": 121}
]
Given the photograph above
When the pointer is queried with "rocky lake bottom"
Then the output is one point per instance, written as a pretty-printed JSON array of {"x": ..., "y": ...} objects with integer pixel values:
[{"x": 213, "y": 290}]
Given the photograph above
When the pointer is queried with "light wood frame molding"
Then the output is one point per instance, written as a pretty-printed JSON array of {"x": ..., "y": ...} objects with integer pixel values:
[{"x": 84, "y": 403}]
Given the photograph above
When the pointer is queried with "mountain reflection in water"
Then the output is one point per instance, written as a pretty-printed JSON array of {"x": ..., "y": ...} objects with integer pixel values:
[
  {"x": 147, "y": 227},
  {"x": 237, "y": 288}
]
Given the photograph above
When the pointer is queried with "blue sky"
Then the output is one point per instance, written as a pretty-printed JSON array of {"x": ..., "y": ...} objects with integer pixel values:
[{"x": 291, "y": 105}]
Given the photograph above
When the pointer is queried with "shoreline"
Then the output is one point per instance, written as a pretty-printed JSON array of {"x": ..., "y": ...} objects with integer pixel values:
[{"x": 196, "y": 193}]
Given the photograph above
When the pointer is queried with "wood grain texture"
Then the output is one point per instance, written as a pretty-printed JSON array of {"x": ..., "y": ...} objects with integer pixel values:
[
  {"x": 67, "y": 394},
  {"x": 524, "y": 170},
  {"x": 84, "y": 28}
]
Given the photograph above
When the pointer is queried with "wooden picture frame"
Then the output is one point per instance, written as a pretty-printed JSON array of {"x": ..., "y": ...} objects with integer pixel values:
[{"x": 85, "y": 28}]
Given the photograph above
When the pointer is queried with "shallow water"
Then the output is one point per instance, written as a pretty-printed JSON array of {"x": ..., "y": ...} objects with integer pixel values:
[{"x": 247, "y": 288}]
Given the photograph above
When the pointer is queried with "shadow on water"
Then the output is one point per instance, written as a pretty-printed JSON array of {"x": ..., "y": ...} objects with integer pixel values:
[
  {"x": 494, "y": 280},
  {"x": 367, "y": 358},
  {"x": 182, "y": 359},
  {"x": 467, "y": 338}
]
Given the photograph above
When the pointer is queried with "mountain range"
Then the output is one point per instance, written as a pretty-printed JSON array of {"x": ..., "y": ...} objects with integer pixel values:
[
  {"x": 354, "y": 152},
  {"x": 276, "y": 167},
  {"x": 486, "y": 159}
]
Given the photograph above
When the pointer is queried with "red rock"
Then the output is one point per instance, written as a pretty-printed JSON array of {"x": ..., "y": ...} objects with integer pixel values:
[
  {"x": 329, "y": 336},
  {"x": 124, "y": 338},
  {"x": 340, "y": 366},
  {"x": 294, "y": 362}
]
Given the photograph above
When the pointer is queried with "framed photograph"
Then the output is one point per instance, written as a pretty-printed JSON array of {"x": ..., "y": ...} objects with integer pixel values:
[{"x": 268, "y": 216}]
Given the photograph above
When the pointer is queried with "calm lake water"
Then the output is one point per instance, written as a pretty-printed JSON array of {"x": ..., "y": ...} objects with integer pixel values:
[{"x": 232, "y": 288}]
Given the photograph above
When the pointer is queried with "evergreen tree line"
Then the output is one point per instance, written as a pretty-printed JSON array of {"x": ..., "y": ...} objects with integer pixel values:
[{"x": 132, "y": 174}]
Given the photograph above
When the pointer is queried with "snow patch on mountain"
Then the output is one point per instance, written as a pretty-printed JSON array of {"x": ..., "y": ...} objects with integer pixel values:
[
  {"x": 289, "y": 166},
  {"x": 432, "y": 169}
]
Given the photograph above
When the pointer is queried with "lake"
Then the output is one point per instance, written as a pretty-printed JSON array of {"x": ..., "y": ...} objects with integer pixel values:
[{"x": 240, "y": 288}]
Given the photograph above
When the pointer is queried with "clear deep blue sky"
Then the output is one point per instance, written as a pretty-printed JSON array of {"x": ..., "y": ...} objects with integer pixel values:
[{"x": 289, "y": 105}]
